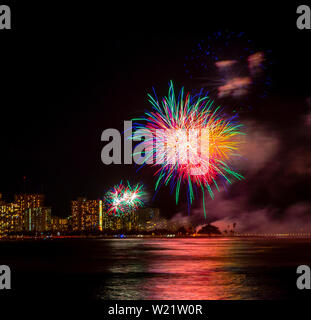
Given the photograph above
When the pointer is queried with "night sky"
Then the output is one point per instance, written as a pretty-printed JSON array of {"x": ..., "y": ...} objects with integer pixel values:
[{"x": 68, "y": 73}]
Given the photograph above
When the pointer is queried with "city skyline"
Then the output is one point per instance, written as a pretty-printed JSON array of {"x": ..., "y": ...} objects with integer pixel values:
[
  {"x": 28, "y": 214},
  {"x": 58, "y": 120}
]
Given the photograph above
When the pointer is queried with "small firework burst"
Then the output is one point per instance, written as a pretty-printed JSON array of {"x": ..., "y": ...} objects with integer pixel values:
[{"x": 123, "y": 199}]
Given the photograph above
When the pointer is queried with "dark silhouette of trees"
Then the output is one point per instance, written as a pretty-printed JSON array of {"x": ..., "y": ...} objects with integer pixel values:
[
  {"x": 209, "y": 229},
  {"x": 181, "y": 231}
]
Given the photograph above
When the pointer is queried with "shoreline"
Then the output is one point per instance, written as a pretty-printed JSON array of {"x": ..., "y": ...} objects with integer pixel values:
[{"x": 168, "y": 237}]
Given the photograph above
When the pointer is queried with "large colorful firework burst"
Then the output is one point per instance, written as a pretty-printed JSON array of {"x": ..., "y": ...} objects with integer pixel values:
[
  {"x": 190, "y": 142},
  {"x": 123, "y": 199}
]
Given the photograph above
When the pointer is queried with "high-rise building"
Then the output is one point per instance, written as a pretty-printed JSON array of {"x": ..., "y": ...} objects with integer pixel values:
[
  {"x": 26, "y": 214},
  {"x": 33, "y": 216},
  {"x": 9, "y": 218},
  {"x": 86, "y": 215},
  {"x": 126, "y": 222},
  {"x": 26, "y": 201},
  {"x": 37, "y": 219},
  {"x": 147, "y": 218},
  {"x": 59, "y": 224}
]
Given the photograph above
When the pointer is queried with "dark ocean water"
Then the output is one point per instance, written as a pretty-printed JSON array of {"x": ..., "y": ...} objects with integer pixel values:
[{"x": 215, "y": 268}]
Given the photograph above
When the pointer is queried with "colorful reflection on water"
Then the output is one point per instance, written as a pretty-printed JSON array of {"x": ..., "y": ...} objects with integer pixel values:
[
  {"x": 197, "y": 269},
  {"x": 180, "y": 268}
]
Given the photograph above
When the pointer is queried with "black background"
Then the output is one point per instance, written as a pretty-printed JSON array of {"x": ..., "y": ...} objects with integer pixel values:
[{"x": 69, "y": 71}]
